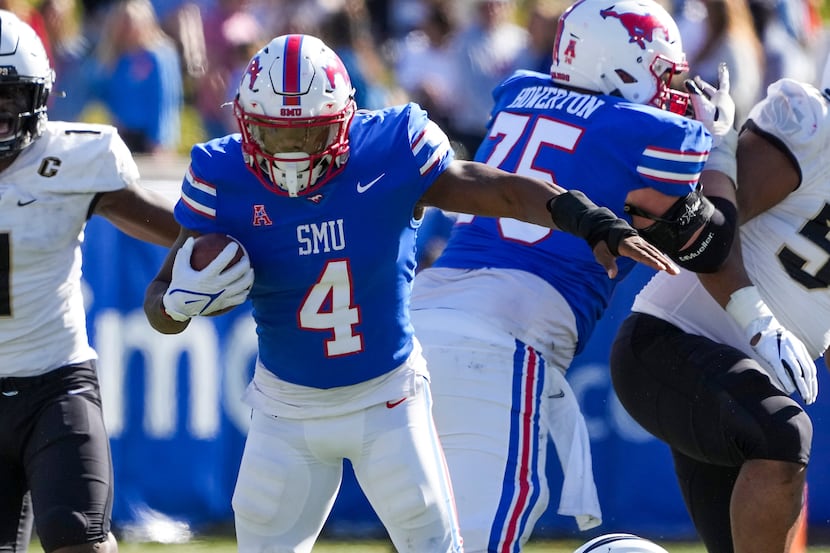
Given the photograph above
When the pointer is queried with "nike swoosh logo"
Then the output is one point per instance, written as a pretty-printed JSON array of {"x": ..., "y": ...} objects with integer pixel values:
[
  {"x": 76, "y": 391},
  {"x": 560, "y": 394},
  {"x": 21, "y": 203},
  {"x": 393, "y": 404},
  {"x": 784, "y": 364},
  {"x": 361, "y": 188}
]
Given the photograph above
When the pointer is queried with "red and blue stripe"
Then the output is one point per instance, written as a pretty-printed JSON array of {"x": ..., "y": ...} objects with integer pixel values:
[
  {"x": 521, "y": 485},
  {"x": 291, "y": 74}
]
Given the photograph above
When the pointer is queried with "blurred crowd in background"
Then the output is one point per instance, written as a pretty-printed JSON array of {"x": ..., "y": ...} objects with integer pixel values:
[{"x": 163, "y": 71}]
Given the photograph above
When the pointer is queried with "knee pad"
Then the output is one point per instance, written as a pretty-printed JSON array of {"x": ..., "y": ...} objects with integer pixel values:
[
  {"x": 765, "y": 422},
  {"x": 789, "y": 435},
  {"x": 259, "y": 487}
]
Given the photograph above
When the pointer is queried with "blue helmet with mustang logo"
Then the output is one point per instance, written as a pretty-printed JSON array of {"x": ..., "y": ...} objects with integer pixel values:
[{"x": 294, "y": 105}]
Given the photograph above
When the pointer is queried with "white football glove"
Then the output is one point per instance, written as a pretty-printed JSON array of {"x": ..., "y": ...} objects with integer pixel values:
[
  {"x": 715, "y": 108},
  {"x": 791, "y": 363},
  {"x": 212, "y": 289}
]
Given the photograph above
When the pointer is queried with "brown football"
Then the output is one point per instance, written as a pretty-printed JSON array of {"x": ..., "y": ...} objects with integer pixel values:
[{"x": 207, "y": 246}]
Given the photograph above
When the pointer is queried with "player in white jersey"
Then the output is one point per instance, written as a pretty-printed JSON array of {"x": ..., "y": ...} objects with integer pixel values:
[
  {"x": 53, "y": 177},
  {"x": 691, "y": 372},
  {"x": 324, "y": 200}
]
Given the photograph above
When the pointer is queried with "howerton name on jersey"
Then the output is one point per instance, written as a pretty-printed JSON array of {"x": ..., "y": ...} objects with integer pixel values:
[{"x": 551, "y": 97}]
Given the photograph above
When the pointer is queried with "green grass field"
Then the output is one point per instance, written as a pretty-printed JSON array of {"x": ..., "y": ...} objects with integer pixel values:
[
  {"x": 226, "y": 545},
  {"x": 326, "y": 546}
]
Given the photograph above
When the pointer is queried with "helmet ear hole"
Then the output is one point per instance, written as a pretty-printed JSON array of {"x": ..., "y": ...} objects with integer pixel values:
[{"x": 625, "y": 76}]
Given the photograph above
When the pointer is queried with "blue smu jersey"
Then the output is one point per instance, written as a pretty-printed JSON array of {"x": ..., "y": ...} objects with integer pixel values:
[
  {"x": 333, "y": 269},
  {"x": 602, "y": 145}
]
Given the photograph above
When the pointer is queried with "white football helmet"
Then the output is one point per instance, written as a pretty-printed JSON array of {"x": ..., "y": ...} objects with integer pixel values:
[
  {"x": 620, "y": 543},
  {"x": 294, "y": 106},
  {"x": 26, "y": 79},
  {"x": 631, "y": 48}
]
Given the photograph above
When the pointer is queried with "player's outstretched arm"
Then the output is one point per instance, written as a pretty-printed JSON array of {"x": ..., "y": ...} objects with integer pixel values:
[
  {"x": 633, "y": 247},
  {"x": 765, "y": 176},
  {"x": 784, "y": 354},
  {"x": 476, "y": 188},
  {"x": 140, "y": 213}
]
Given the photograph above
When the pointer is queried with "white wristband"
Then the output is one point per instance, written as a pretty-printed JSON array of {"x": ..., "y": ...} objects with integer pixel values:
[
  {"x": 722, "y": 157},
  {"x": 746, "y": 305}
]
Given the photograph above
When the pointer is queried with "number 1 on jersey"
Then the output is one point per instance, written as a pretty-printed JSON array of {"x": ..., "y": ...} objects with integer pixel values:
[{"x": 328, "y": 306}]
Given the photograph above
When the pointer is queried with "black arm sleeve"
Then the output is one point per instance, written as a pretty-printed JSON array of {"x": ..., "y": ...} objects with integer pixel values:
[
  {"x": 575, "y": 214},
  {"x": 717, "y": 217}
]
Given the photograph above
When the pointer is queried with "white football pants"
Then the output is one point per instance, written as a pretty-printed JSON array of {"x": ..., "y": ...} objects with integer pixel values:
[
  {"x": 291, "y": 472},
  {"x": 489, "y": 394}
]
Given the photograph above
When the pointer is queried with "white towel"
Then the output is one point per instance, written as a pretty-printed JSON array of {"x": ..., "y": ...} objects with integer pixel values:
[{"x": 573, "y": 447}]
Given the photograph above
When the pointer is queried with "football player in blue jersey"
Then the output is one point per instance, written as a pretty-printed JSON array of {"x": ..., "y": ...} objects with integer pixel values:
[
  {"x": 506, "y": 307},
  {"x": 325, "y": 200}
]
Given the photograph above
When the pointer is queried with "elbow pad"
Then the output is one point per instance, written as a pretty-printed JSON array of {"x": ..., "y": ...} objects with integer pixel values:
[{"x": 717, "y": 219}]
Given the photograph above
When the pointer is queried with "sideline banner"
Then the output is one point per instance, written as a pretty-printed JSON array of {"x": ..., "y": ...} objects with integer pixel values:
[{"x": 177, "y": 425}]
